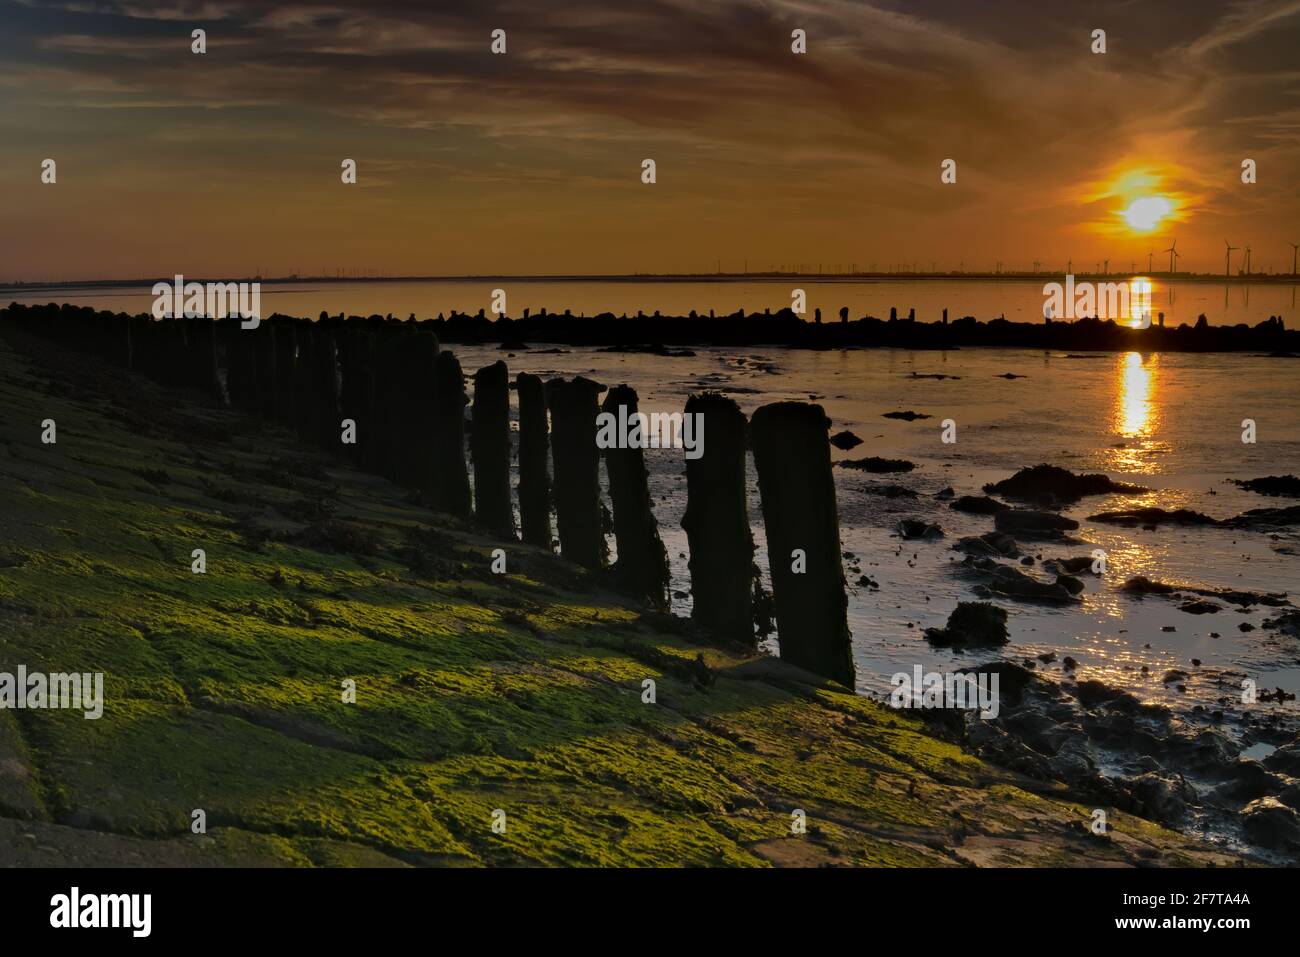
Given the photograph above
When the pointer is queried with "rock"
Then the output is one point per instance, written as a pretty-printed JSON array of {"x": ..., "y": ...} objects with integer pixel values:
[
  {"x": 1288, "y": 624},
  {"x": 908, "y": 416},
  {"x": 945, "y": 493},
  {"x": 978, "y": 505},
  {"x": 1071, "y": 584},
  {"x": 1285, "y": 759},
  {"x": 1020, "y": 521},
  {"x": 1153, "y": 516},
  {"x": 889, "y": 491},
  {"x": 845, "y": 440},
  {"x": 1013, "y": 583},
  {"x": 1200, "y": 607},
  {"x": 1265, "y": 518},
  {"x": 1270, "y": 823},
  {"x": 972, "y": 623},
  {"x": 1141, "y": 585},
  {"x": 1160, "y": 797},
  {"x": 1074, "y": 762},
  {"x": 1061, "y": 485},
  {"x": 990, "y": 544},
  {"x": 911, "y": 528},
  {"x": 877, "y": 465},
  {"x": 1287, "y": 485}
]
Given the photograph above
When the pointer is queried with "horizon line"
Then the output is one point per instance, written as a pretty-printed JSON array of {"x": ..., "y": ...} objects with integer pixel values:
[{"x": 1018, "y": 275}]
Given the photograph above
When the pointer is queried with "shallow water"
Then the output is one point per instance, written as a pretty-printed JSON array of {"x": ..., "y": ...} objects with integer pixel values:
[
  {"x": 1169, "y": 422},
  {"x": 985, "y": 299}
]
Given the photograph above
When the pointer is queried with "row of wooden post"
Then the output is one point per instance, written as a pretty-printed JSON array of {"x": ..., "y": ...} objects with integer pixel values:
[{"x": 404, "y": 399}]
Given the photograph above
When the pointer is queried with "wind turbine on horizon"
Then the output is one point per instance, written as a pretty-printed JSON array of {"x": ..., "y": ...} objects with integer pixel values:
[
  {"x": 1247, "y": 261},
  {"x": 1173, "y": 256},
  {"x": 1294, "y": 248},
  {"x": 1227, "y": 259},
  {"x": 1150, "y": 253}
]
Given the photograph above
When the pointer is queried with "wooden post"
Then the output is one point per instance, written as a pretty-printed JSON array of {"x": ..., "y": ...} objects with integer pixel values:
[{"x": 792, "y": 455}]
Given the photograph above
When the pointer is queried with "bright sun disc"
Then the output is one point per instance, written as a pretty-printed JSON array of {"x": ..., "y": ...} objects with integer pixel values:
[{"x": 1146, "y": 213}]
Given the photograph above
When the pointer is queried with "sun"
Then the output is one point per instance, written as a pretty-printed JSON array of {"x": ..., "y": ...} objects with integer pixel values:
[{"x": 1146, "y": 213}]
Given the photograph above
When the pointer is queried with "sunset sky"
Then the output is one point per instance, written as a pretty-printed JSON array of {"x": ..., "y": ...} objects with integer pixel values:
[{"x": 530, "y": 163}]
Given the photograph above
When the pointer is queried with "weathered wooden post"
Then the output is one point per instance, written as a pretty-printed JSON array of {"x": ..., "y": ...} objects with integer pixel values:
[
  {"x": 642, "y": 563},
  {"x": 577, "y": 469},
  {"x": 304, "y": 400},
  {"x": 451, "y": 479},
  {"x": 285, "y": 348},
  {"x": 717, "y": 522},
  {"x": 355, "y": 386},
  {"x": 534, "y": 479},
  {"x": 489, "y": 445},
  {"x": 262, "y": 342},
  {"x": 325, "y": 389},
  {"x": 203, "y": 357},
  {"x": 792, "y": 454}
]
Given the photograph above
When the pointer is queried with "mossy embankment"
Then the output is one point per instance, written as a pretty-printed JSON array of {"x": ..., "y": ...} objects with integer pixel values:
[{"x": 474, "y": 691}]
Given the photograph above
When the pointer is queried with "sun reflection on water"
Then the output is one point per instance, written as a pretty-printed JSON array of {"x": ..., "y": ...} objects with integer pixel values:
[{"x": 1135, "y": 415}]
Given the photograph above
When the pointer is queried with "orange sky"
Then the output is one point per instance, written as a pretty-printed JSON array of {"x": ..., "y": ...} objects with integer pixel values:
[{"x": 529, "y": 163}]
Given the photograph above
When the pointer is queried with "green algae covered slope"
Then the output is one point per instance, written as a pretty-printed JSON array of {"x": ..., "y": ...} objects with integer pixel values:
[{"x": 475, "y": 693}]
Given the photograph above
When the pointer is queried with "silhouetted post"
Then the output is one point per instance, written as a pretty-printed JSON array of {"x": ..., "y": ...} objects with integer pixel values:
[
  {"x": 353, "y": 342},
  {"x": 534, "y": 480},
  {"x": 717, "y": 522},
  {"x": 451, "y": 478},
  {"x": 642, "y": 565},
  {"x": 489, "y": 446},
  {"x": 262, "y": 343},
  {"x": 241, "y": 379},
  {"x": 285, "y": 347},
  {"x": 893, "y": 313},
  {"x": 304, "y": 402},
  {"x": 325, "y": 389},
  {"x": 203, "y": 357},
  {"x": 410, "y": 412},
  {"x": 577, "y": 469},
  {"x": 792, "y": 454},
  {"x": 377, "y": 454}
]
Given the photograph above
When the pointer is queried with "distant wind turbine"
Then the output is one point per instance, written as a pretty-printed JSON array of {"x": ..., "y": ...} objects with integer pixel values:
[
  {"x": 1294, "y": 247},
  {"x": 1248, "y": 261},
  {"x": 1227, "y": 258},
  {"x": 1173, "y": 256}
]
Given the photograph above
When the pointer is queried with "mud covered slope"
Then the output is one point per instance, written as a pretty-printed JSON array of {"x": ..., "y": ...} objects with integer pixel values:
[{"x": 475, "y": 692}]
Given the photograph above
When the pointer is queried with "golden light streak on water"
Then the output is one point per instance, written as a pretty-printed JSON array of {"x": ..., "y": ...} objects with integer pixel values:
[
  {"x": 1140, "y": 312},
  {"x": 1136, "y": 413}
]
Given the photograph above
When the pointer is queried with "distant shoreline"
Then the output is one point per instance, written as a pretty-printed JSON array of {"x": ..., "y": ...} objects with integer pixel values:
[
  {"x": 662, "y": 334},
  {"x": 1271, "y": 279}
]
